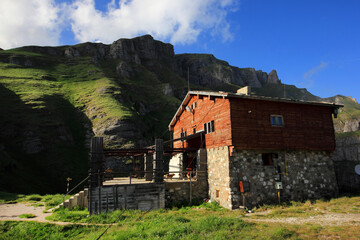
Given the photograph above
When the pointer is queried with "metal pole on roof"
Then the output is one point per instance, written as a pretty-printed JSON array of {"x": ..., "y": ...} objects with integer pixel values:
[{"x": 188, "y": 79}]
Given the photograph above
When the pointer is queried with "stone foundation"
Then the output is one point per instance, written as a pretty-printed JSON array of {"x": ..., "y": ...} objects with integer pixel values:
[
  {"x": 176, "y": 192},
  {"x": 218, "y": 176},
  {"x": 304, "y": 175},
  {"x": 345, "y": 157}
]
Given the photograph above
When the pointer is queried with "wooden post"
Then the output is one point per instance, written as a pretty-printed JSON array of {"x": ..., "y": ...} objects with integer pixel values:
[
  {"x": 190, "y": 190},
  {"x": 97, "y": 162},
  {"x": 99, "y": 187},
  {"x": 159, "y": 163},
  {"x": 142, "y": 166},
  {"x": 201, "y": 164},
  {"x": 148, "y": 167}
]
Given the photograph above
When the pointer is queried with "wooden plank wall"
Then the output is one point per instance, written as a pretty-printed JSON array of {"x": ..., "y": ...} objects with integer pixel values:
[
  {"x": 208, "y": 109},
  {"x": 127, "y": 196},
  {"x": 306, "y": 127}
]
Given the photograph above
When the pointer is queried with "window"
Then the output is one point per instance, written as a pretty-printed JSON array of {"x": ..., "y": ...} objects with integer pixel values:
[
  {"x": 193, "y": 106},
  {"x": 182, "y": 134},
  {"x": 209, "y": 127},
  {"x": 277, "y": 120},
  {"x": 268, "y": 158},
  {"x": 217, "y": 193}
]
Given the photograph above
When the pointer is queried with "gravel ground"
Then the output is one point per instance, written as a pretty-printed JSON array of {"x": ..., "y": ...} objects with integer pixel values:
[
  {"x": 328, "y": 219},
  {"x": 13, "y": 211}
]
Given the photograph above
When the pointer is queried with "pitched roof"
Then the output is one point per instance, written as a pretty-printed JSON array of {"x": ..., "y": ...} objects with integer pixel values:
[{"x": 234, "y": 95}]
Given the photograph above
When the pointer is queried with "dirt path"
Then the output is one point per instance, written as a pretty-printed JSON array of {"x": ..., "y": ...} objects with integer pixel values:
[
  {"x": 329, "y": 219},
  {"x": 11, "y": 212}
]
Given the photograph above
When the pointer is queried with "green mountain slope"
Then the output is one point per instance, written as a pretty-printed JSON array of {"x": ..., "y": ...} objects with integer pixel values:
[{"x": 54, "y": 99}]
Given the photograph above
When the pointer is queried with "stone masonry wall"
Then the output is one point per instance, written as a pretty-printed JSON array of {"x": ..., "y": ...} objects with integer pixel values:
[
  {"x": 176, "y": 192},
  {"x": 345, "y": 157},
  {"x": 218, "y": 176},
  {"x": 304, "y": 175}
]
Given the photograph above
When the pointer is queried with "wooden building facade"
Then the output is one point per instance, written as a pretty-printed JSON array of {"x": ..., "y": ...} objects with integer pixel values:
[{"x": 258, "y": 138}]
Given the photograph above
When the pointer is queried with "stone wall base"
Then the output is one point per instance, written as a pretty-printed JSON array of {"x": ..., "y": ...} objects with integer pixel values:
[{"x": 304, "y": 175}]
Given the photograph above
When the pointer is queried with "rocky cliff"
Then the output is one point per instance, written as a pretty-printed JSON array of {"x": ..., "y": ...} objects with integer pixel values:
[
  {"x": 349, "y": 116},
  {"x": 204, "y": 69},
  {"x": 54, "y": 99}
]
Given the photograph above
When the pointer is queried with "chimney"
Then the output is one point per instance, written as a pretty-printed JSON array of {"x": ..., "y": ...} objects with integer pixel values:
[{"x": 244, "y": 91}]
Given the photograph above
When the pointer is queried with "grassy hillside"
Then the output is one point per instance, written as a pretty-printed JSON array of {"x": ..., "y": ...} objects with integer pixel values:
[
  {"x": 50, "y": 105},
  {"x": 43, "y": 133},
  {"x": 42, "y": 108},
  {"x": 348, "y": 119}
]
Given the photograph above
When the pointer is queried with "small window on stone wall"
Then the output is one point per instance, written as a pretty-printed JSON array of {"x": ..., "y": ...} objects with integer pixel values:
[
  {"x": 217, "y": 193},
  {"x": 268, "y": 158}
]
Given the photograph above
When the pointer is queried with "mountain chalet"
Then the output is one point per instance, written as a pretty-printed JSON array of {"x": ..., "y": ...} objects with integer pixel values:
[{"x": 256, "y": 149}]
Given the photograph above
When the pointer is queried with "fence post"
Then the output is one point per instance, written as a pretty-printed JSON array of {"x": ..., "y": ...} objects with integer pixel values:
[
  {"x": 159, "y": 163},
  {"x": 148, "y": 167},
  {"x": 97, "y": 163}
]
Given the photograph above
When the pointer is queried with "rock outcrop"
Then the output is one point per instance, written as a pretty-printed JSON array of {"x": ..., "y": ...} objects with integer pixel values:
[
  {"x": 206, "y": 70},
  {"x": 349, "y": 116},
  {"x": 126, "y": 91}
]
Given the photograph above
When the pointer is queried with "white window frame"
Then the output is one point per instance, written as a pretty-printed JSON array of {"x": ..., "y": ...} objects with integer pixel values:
[{"x": 209, "y": 127}]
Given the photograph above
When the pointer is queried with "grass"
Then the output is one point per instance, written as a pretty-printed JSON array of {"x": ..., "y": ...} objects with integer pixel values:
[
  {"x": 204, "y": 221},
  {"x": 34, "y": 230},
  {"x": 27, "y": 215},
  {"x": 50, "y": 200}
]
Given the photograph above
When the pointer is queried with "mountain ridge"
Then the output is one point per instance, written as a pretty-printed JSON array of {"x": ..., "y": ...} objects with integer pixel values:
[{"x": 54, "y": 99}]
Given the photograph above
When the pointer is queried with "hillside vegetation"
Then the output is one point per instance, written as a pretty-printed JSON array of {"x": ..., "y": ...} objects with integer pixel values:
[{"x": 54, "y": 99}]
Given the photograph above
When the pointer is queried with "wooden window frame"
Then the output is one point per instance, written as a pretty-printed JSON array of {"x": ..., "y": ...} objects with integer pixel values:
[{"x": 278, "y": 120}]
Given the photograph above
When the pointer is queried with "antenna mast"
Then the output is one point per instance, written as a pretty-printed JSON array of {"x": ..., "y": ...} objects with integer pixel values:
[
  {"x": 188, "y": 80},
  {"x": 284, "y": 91}
]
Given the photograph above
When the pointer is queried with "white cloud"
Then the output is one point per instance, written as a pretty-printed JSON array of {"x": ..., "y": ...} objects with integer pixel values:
[
  {"x": 308, "y": 80},
  {"x": 41, "y": 22},
  {"x": 315, "y": 69},
  {"x": 179, "y": 21},
  {"x": 24, "y": 22}
]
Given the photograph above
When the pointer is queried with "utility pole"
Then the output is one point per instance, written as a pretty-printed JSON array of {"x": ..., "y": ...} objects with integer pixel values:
[{"x": 188, "y": 79}]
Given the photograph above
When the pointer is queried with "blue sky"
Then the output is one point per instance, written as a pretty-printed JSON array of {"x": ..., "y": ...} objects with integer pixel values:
[{"x": 312, "y": 44}]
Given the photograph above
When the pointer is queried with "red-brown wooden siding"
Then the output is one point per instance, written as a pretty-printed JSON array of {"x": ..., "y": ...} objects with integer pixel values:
[
  {"x": 217, "y": 109},
  {"x": 306, "y": 126}
]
